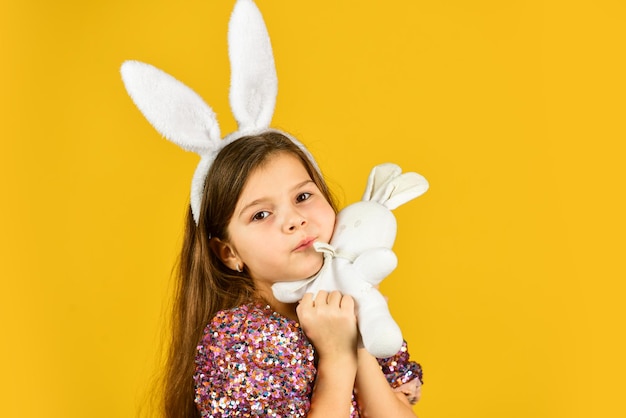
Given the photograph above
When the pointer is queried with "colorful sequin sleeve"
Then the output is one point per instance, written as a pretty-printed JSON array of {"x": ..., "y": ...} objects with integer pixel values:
[
  {"x": 253, "y": 362},
  {"x": 403, "y": 374}
]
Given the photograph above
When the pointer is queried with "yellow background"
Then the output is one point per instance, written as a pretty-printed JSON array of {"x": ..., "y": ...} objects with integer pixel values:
[{"x": 510, "y": 288}]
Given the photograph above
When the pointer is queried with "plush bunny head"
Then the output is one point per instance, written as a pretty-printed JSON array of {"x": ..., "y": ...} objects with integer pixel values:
[
  {"x": 362, "y": 225},
  {"x": 181, "y": 115},
  {"x": 370, "y": 223}
]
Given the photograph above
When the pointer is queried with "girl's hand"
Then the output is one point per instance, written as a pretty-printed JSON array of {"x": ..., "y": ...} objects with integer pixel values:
[{"x": 329, "y": 322}]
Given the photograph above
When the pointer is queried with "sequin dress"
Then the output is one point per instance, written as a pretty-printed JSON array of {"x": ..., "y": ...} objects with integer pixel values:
[{"x": 252, "y": 362}]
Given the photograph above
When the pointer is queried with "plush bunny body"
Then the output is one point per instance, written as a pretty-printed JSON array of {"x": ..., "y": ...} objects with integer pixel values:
[{"x": 359, "y": 256}]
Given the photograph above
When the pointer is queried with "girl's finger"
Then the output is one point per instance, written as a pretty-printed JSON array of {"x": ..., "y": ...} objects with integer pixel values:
[
  {"x": 334, "y": 298},
  {"x": 321, "y": 298},
  {"x": 347, "y": 302},
  {"x": 307, "y": 300}
]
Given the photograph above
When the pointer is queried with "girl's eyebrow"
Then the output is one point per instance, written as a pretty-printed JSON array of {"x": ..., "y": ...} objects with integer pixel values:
[
  {"x": 263, "y": 199},
  {"x": 299, "y": 185}
]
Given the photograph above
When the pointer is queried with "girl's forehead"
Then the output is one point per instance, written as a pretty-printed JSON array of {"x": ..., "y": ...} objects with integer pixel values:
[
  {"x": 280, "y": 173},
  {"x": 281, "y": 167}
]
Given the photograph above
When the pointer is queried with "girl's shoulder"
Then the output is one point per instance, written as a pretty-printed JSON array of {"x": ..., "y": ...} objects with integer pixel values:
[
  {"x": 256, "y": 326},
  {"x": 249, "y": 318},
  {"x": 250, "y": 312},
  {"x": 251, "y": 358}
]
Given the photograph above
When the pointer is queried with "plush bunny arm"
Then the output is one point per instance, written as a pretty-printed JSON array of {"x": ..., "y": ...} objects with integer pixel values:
[
  {"x": 254, "y": 84},
  {"x": 325, "y": 279},
  {"x": 380, "y": 334},
  {"x": 290, "y": 292},
  {"x": 376, "y": 264}
]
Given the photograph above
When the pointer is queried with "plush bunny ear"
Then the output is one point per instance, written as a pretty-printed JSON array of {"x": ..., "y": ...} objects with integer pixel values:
[
  {"x": 179, "y": 114},
  {"x": 387, "y": 186},
  {"x": 254, "y": 84},
  {"x": 378, "y": 179}
]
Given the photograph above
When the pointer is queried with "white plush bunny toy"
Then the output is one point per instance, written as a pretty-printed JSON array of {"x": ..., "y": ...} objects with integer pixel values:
[{"x": 359, "y": 256}]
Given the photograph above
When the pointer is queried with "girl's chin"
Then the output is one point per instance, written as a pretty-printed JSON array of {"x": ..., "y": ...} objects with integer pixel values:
[{"x": 314, "y": 271}]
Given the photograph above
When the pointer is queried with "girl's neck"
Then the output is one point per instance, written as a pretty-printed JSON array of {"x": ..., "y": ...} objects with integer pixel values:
[{"x": 288, "y": 310}]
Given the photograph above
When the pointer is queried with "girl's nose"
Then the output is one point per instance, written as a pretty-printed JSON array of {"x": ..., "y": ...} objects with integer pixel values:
[{"x": 295, "y": 222}]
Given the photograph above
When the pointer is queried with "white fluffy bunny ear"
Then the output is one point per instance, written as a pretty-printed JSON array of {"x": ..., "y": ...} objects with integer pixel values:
[
  {"x": 254, "y": 84},
  {"x": 175, "y": 110},
  {"x": 389, "y": 187},
  {"x": 179, "y": 114}
]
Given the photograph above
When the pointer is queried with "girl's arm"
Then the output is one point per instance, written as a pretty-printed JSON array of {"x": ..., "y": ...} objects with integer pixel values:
[
  {"x": 375, "y": 396},
  {"x": 329, "y": 322}
]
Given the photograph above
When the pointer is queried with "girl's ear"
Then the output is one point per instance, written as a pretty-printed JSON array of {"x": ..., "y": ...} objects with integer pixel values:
[{"x": 224, "y": 251}]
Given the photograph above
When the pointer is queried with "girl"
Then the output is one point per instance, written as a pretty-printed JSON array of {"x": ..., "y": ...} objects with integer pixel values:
[
  {"x": 236, "y": 350},
  {"x": 258, "y": 204}
]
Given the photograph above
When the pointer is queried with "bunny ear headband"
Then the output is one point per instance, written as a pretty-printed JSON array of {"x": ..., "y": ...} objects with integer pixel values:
[{"x": 181, "y": 115}]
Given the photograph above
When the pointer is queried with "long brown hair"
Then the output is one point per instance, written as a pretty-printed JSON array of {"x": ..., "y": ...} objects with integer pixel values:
[{"x": 204, "y": 284}]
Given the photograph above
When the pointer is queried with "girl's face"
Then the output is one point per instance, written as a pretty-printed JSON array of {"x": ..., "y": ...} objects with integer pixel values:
[{"x": 278, "y": 217}]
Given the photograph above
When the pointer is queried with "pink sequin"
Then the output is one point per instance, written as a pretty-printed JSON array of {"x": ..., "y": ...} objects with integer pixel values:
[{"x": 255, "y": 362}]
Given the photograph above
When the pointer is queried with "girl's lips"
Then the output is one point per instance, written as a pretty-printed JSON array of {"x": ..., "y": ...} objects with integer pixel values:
[{"x": 304, "y": 244}]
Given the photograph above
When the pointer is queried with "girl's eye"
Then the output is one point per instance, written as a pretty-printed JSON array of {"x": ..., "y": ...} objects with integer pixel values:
[
  {"x": 259, "y": 216},
  {"x": 303, "y": 196}
]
